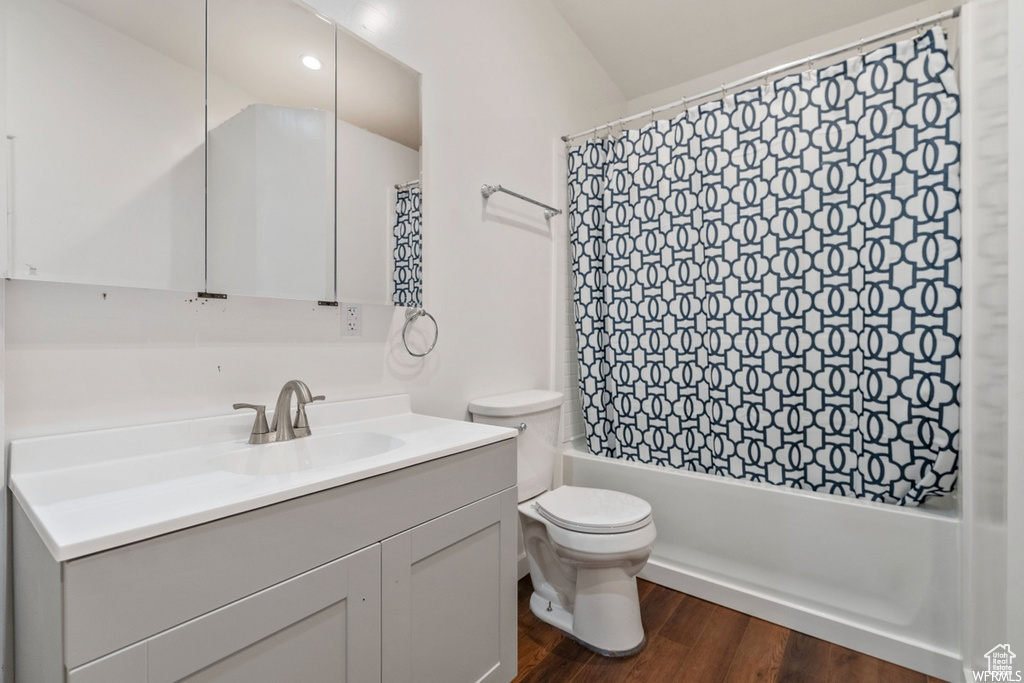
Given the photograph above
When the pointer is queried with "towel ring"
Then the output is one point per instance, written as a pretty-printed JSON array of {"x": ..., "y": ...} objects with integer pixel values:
[{"x": 413, "y": 314}]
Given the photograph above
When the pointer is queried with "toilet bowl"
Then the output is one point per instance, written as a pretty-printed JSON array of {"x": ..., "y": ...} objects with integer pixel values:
[{"x": 584, "y": 546}]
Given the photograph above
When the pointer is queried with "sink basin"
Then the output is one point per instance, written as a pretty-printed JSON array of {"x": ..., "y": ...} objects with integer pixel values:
[
  {"x": 93, "y": 491},
  {"x": 309, "y": 453}
]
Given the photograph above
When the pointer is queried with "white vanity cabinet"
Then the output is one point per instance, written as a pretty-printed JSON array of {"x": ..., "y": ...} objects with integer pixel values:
[{"x": 405, "y": 576}]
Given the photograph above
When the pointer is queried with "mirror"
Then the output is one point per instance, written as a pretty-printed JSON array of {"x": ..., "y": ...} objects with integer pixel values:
[
  {"x": 270, "y": 150},
  {"x": 379, "y": 138},
  {"x": 284, "y": 186},
  {"x": 303, "y": 162},
  {"x": 105, "y": 116}
]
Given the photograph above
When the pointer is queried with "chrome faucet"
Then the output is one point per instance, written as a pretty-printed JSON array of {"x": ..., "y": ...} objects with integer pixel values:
[{"x": 283, "y": 428}]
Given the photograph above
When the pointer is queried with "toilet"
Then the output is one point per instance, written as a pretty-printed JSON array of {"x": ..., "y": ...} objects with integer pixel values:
[{"x": 584, "y": 546}]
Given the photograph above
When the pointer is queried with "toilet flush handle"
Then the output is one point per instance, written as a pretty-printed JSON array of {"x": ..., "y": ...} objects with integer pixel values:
[{"x": 521, "y": 427}]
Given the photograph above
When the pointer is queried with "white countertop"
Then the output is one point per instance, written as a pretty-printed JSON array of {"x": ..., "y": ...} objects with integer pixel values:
[{"x": 93, "y": 491}]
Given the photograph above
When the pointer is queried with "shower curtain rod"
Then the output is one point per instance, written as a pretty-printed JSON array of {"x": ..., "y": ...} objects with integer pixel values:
[
  {"x": 402, "y": 186},
  {"x": 920, "y": 25}
]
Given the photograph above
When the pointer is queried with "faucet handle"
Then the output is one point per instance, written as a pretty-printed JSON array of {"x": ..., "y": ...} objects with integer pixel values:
[
  {"x": 301, "y": 425},
  {"x": 260, "y": 431}
]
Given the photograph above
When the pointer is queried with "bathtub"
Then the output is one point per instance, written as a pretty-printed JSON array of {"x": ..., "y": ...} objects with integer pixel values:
[{"x": 876, "y": 578}]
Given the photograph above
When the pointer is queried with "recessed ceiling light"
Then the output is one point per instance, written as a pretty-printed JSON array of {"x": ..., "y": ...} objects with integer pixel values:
[{"x": 311, "y": 62}]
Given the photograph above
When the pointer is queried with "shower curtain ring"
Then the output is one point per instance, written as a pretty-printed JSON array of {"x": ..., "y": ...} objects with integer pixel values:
[{"x": 652, "y": 115}]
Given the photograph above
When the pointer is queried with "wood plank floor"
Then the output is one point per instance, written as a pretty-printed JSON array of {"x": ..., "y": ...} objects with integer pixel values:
[{"x": 689, "y": 639}]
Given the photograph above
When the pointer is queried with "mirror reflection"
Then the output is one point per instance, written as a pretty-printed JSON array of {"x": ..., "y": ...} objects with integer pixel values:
[
  {"x": 105, "y": 116},
  {"x": 298, "y": 179},
  {"x": 379, "y": 138},
  {"x": 407, "y": 254},
  {"x": 270, "y": 154}
]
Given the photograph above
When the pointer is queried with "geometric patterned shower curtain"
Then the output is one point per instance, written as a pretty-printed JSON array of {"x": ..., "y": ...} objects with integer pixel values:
[
  {"x": 768, "y": 286},
  {"x": 407, "y": 275}
]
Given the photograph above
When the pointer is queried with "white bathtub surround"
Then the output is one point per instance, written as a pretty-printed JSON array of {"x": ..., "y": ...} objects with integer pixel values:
[
  {"x": 88, "y": 492},
  {"x": 872, "y": 577}
]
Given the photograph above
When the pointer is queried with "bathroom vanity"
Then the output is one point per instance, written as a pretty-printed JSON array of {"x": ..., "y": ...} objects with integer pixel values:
[{"x": 380, "y": 548}]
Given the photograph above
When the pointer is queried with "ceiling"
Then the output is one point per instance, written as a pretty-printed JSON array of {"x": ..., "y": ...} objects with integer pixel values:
[{"x": 650, "y": 45}]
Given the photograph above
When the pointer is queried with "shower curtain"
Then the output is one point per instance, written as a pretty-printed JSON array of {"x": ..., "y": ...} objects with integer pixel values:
[
  {"x": 768, "y": 287},
  {"x": 407, "y": 275}
]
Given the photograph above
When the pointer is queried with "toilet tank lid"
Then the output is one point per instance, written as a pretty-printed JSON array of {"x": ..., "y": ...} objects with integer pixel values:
[{"x": 516, "y": 403}]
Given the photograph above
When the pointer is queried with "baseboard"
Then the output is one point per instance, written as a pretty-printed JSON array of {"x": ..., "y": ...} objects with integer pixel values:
[{"x": 887, "y": 646}]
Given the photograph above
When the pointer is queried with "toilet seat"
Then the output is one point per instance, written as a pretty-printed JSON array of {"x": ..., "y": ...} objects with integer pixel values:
[{"x": 593, "y": 511}]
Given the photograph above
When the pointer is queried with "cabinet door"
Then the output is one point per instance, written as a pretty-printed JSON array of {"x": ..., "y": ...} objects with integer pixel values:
[
  {"x": 321, "y": 625},
  {"x": 105, "y": 115},
  {"x": 448, "y": 597}
]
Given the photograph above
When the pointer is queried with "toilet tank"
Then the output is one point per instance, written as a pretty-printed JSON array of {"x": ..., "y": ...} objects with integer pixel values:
[{"x": 540, "y": 412}]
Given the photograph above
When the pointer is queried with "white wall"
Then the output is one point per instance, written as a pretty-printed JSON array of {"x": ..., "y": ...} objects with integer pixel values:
[
  {"x": 993, "y": 447},
  {"x": 985, "y": 417},
  {"x": 501, "y": 82},
  {"x": 6, "y": 629},
  {"x": 1015, "y": 310},
  {"x": 792, "y": 53},
  {"x": 504, "y": 264}
]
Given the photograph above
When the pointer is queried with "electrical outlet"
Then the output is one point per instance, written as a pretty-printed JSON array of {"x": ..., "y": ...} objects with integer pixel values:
[{"x": 351, "y": 320}]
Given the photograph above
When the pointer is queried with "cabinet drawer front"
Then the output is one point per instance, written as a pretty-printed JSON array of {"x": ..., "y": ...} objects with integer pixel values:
[
  {"x": 324, "y": 595},
  {"x": 125, "y": 665},
  {"x": 128, "y": 594},
  {"x": 321, "y": 625}
]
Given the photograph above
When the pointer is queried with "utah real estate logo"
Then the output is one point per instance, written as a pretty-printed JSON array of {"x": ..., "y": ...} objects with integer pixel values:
[{"x": 1000, "y": 665}]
